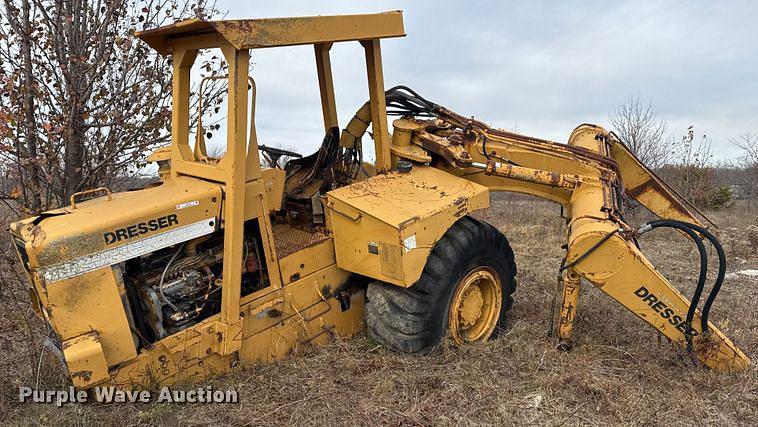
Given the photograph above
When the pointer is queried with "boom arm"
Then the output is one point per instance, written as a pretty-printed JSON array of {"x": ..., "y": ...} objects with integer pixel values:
[{"x": 590, "y": 176}]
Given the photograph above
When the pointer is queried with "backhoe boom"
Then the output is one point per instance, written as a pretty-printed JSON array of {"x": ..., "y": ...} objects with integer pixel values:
[{"x": 590, "y": 177}]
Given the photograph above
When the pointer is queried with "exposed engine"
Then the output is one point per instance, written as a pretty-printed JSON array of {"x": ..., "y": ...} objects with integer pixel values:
[{"x": 174, "y": 288}]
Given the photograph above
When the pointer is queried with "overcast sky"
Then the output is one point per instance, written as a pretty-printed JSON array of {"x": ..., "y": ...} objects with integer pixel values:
[{"x": 540, "y": 68}]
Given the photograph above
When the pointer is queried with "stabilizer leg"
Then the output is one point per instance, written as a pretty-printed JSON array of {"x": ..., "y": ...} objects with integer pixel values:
[{"x": 571, "y": 284}]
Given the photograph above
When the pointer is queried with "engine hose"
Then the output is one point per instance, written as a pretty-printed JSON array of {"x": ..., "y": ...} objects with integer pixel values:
[
  {"x": 163, "y": 277},
  {"x": 703, "y": 270}
]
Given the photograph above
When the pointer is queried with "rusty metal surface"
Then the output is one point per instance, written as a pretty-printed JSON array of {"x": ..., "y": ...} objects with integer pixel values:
[
  {"x": 273, "y": 32},
  {"x": 289, "y": 239},
  {"x": 643, "y": 185}
]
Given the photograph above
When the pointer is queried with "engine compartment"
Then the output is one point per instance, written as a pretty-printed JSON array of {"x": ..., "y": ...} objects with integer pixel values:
[{"x": 176, "y": 287}]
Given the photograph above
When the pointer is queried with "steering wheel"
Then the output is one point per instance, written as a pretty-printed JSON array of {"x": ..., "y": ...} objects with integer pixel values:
[{"x": 272, "y": 155}]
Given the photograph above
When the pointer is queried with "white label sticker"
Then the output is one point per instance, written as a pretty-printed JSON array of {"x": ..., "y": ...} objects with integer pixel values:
[
  {"x": 410, "y": 243},
  {"x": 187, "y": 204}
]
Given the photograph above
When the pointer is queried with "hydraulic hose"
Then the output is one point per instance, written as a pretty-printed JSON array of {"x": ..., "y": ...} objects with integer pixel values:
[
  {"x": 703, "y": 269},
  {"x": 722, "y": 267},
  {"x": 719, "y": 278}
]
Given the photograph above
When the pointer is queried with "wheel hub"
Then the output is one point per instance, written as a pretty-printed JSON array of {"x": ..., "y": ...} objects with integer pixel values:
[
  {"x": 471, "y": 306},
  {"x": 475, "y": 307}
]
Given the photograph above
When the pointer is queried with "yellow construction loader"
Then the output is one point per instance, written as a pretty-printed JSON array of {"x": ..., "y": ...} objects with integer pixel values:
[{"x": 233, "y": 260}]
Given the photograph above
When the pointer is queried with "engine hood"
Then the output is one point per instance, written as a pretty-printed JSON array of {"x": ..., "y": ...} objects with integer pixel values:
[{"x": 66, "y": 242}]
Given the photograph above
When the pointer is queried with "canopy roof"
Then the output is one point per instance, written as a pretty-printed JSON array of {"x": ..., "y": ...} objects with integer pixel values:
[{"x": 273, "y": 32}]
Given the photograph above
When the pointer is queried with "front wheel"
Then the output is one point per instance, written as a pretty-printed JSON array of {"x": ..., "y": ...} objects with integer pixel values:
[{"x": 466, "y": 288}]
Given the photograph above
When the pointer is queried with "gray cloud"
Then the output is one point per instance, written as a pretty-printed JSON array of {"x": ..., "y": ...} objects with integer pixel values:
[{"x": 540, "y": 67}]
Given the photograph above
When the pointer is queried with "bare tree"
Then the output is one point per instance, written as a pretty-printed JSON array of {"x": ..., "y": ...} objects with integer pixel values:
[
  {"x": 748, "y": 144},
  {"x": 81, "y": 101},
  {"x": 638, "y": 128}
]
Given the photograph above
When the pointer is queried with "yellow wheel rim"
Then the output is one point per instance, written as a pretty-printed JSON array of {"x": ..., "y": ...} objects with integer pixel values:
[{"x": 475, "y": 308}]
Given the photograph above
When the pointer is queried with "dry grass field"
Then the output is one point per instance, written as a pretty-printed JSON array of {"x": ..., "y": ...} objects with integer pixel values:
[{"x": 620, "y": 372}]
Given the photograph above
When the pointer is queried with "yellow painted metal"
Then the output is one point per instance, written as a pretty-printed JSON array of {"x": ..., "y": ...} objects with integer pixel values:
[
  {"x": 272, "y": 185},
  {"x": 536, "y": 176},
  {"x": 475, "y": 306},
  {"x": 85, "y": 359},
  {"x": 377, "y": 104},
  {"x": 645, "y": 187},
  {"x": 103, "y": 190},
  {"x": 307, "y": 260},
  {"x": 253, "y": 165},
  {"x": 326, "y": 85},
  {"x": 234, "y": 189},
  {"x": 159, "y": 155},
  {"x": 269, "y": 243},
  {"x": 619, "y": 269},
  {"x": 402, "y": 147},
  {"x": 385, "y": 226},
  {"x": 274, "y": 32},
  {"x": 499, "y": 183},
  {"x": 354, "y": 130},
  {"x": 570, "y": 301},
  {"x": 180, "y": 150},
  {"x": 51, "y": 242},
  {"x": 276, "y": 323},
  {"x": 584, "y": 177},
  {"x": 88, "y": 303},
  {"x": 162, "y": 157}
]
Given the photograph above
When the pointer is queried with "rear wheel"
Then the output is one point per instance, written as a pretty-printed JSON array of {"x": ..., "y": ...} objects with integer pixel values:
[{"x": 466, "y": 288}]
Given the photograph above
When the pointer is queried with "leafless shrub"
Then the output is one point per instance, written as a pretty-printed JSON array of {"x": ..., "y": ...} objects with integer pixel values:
[
  {"x": 693, "y": 174},
  {"x": 752, "y": 237},
  {"x": 748, "y": 145},
  {"x": 638, "y": 128}
]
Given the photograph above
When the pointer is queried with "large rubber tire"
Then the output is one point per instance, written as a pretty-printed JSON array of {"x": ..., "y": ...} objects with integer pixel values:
[{"x": 415, "y": 319}]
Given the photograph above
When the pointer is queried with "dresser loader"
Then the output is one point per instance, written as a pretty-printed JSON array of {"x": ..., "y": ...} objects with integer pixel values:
[{"x": 226, "y": 260}]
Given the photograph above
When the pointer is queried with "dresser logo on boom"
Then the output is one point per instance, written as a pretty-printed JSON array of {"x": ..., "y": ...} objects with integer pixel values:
[
  {"x": 663, "y": 310},
  {"x": 138, "y": 229}
]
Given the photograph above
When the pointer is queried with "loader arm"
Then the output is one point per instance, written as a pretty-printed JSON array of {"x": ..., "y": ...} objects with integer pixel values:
[{"x": 589, "y": 176}]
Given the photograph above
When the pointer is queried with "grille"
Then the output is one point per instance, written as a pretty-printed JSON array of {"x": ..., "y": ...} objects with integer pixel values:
[{"x": 289, "y": 239}]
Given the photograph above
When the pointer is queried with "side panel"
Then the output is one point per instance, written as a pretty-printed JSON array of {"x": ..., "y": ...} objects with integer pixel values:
[
  {"x": 85, "y": 360},
  {"x": 365, "y": 245},
  {"x": 87, "y": 303},
  {"x": 307, "y": 261}
]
